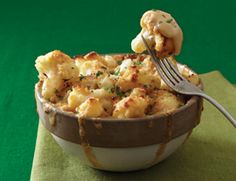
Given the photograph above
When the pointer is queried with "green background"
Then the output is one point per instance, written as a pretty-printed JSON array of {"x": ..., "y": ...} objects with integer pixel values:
[{"x": 29, "y": 29}]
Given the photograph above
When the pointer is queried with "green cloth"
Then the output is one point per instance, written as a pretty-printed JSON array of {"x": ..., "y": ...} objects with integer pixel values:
[{"x": 209, "y": 154}]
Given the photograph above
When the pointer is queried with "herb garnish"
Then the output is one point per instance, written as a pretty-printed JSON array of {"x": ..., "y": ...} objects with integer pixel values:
[
  {"x": 81, "y": 77},
  {"x": 117, "y": 72},
  {"x": 99, "y": 73},
  {"x": 119, "y": 92},
  {"x": 107, "y": 89},
  {"x": 138, "y": 63},
  {"x": 145, "y": 86},
  {"x": 169, "y": 20}
]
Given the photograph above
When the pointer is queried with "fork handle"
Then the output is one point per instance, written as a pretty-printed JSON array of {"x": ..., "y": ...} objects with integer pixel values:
[{"x": 220, "y": 108}]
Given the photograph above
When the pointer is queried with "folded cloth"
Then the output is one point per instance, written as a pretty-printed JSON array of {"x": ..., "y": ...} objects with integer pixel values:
[{"x": 209, "y": 154}]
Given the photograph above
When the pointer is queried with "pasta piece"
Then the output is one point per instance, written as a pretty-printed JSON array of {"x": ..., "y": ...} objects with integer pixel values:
[
  {"x": 132, "y": 106},
  {"x": 166, "y": 102},
  {"x": 77, "y": 96},
  {"x": 92, "y": 107},
  {"x": 161, "y": 32}
]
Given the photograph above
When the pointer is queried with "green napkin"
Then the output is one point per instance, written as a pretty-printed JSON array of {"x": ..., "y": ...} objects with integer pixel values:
[{"x": 209, "y": 154}]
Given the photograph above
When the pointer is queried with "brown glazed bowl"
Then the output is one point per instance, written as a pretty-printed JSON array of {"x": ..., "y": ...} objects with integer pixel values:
[{"x": 121, "y": 144}]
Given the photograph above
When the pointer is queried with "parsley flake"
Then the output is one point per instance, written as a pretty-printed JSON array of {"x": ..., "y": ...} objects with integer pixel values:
[
  {"x": 138, "y": 63},
  {"x": 107, "y": 89},
  {"x": 81, "y": 77},
  {"x": 99, "y": 73},
  {"x": 169, "y": 20},
  {"x": 119, "y": 62},
  {"x": 117, "y": 72},
  {"x": 119, "y": 92}
]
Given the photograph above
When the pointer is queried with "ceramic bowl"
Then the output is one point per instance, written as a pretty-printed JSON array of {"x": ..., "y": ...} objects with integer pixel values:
[{"x": 121, "y": 144}]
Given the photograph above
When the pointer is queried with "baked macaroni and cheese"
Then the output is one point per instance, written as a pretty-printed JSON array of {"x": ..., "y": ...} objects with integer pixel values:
[{"x": 119, "y": 86}]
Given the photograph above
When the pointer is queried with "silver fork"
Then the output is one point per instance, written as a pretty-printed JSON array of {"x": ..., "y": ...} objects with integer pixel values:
[{"x": 171, "y": 76}]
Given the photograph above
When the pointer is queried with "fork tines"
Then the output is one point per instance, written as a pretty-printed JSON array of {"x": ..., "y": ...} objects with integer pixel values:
[{"x": 168, "y": 72}]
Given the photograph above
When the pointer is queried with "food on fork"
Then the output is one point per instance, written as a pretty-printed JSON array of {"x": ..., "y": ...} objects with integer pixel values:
[
  {"x": 161, "y": 32},
  {"x": 119, "y": 85}
]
